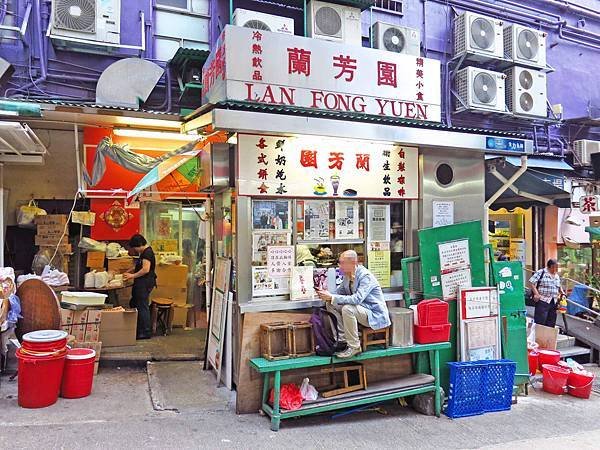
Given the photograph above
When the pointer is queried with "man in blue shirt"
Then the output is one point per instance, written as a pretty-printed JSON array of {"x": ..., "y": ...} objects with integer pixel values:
[{"x": 359, "y": 299}]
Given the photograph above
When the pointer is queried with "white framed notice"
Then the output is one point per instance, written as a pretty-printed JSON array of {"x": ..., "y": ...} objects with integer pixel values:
[
  {"x": 443, "y": 213},
  {"x": 452, "y": 281},
  {"x": 302, "y": 283},
  {"x": 346, "y": 220},
  {"x": 378, "y": 222},
  {"x": 316, "y": 220},
  {"x": 454, "y": 255},
  {"x": 263, "y": 285}
]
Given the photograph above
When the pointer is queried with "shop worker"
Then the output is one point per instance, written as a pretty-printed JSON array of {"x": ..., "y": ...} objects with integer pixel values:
[
  {"x": 359, "y": 299},
  {"x": 144, "y": 280},
  {"x": 546, "y": 289}
]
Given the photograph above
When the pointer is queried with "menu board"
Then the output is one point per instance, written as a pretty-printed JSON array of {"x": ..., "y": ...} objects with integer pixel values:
[
  {"x": 479, "y": 324},
  {"x": 316, "y": 220},
  {"x": 280, "y": 260},
  {"x": 346, "y": 220}
]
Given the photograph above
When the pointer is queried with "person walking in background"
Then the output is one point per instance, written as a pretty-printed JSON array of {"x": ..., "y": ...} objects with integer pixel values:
[
  {"x": 144, "y": 280},
  {"x": 546, "y": 289}
]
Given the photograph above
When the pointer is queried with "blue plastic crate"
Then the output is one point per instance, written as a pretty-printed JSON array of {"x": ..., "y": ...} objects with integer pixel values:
[
  {"x": 477, "y": 387},
  {"x": 498, "y": 385},
  {"x": 465, "y": 394}
]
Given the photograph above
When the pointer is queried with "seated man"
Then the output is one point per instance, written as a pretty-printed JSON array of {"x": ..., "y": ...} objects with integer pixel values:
[{"x": 359, "y": 299}]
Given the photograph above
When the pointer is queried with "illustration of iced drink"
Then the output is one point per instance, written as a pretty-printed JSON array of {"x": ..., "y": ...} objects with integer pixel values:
[{"x": 335, "y": 183}]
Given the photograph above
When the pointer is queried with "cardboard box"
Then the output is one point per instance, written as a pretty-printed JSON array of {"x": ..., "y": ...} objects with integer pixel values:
[
  {"x": 120, "y": 265},
  {"x": 96, "y": 346},
  {"x": 63, "y": 248},
  {"x": 50, "y": 230},
  {"x": 95, "y": 260},
  {"x": 180, "y": 315},
  {"x": 92, "y": 332},
  {"x": 51, "y": 219},
  {"x": 118, "y": 327},
  {"x": 546, "y": 337},
  {"x": 177, "y": 294},
  {"x": 50, "y": 240},
  {"x": 171, "y": 275}
]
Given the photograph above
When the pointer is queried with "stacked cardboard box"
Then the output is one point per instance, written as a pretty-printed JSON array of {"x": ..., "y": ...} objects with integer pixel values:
[
  {"x": 120, "y": 265},
  {"x": 118, "y": 327},
  {"x": 50, "y": 229},
  {"x": 95, "y": 260},
  {"x": 171, "y": 282},
  {"x": 84, "y": 325}
]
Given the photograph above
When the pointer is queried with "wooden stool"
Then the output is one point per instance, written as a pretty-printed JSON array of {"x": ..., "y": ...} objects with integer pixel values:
[
  {"x": 275, "y": 340},
  {"x": 302, "y": 340},
  {"x": 354, "y": 378},
  {"x": 161, "y": 313},
  {"x": 374, "y": 337}
]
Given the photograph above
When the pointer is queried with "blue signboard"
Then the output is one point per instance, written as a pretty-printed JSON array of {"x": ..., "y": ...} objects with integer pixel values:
[{"x": 504, "y": 144}]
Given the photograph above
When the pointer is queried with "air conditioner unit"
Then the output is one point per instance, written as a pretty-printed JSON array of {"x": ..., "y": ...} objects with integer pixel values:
[
  {"x": 525, "y": 46},
  {"x": 334, "y": 23},
  {"x": 478, "y": 36},
  {"x": 261, "y": 21},
  {"x": 480, "y": 90},
  {"x": 526, "y": 92},
  {"x": 583, "y": 150},
  {"x": 397, "y": 39},
  {"x": 92, "y": 20}
]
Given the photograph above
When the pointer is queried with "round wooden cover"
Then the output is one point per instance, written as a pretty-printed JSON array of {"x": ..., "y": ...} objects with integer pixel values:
[{"x": 39, "y": 307}]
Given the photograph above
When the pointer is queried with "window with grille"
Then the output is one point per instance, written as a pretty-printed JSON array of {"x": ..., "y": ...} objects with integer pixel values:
[{"x": 393, "y": 6}]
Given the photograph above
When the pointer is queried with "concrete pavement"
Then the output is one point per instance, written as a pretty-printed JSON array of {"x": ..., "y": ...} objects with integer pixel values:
[{"x": 120, "y": 415}]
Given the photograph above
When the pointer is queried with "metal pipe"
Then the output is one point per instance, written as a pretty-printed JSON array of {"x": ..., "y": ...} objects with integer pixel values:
[
  {"x": 74, "y": 65},
  {"x": 572, "y": 8}
]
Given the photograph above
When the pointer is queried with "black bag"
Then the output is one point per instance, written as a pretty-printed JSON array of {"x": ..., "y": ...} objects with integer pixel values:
[
  {"x": 324, "y": 327},
  {"x": 529, "y": 300}
]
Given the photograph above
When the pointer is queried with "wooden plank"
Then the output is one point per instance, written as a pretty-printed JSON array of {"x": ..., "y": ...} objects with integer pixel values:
[{"x": 249, "y": 386}]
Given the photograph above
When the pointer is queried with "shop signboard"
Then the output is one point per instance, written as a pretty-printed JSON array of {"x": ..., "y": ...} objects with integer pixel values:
[
  {"x": 589, "y": 204},
  {"x": 294, "y": 71},
  {"x": 306, "y": 167}
]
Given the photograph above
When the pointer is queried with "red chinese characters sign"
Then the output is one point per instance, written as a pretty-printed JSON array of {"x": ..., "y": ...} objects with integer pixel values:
[
  {"x": 279, "y": 69},
  {"x": 319, "y": 167}
]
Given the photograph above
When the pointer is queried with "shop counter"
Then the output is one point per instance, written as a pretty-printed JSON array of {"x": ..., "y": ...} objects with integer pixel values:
[{"x": 376, "y": 392}]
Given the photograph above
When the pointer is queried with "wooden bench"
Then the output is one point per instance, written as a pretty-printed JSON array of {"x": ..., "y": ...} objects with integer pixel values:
[{"x": 376, "y": 392}]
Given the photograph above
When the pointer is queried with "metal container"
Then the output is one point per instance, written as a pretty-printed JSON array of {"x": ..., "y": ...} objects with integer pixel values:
[{"x": 402, "y": 327}]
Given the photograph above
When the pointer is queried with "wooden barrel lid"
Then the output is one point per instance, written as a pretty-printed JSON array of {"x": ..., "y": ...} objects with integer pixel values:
[{"x": 39, "y": 307}]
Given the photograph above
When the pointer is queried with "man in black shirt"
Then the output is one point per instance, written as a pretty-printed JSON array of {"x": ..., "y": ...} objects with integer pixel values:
[{"x": 144, "y": 280}]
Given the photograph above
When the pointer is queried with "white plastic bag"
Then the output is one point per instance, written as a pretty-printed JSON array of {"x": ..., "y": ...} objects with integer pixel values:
[
  {"x": 308, "y": 391},
  {"x": 89, "y": 280},
  {"x": 101, "y": 279},
  {"x": 26, "y": 214}
]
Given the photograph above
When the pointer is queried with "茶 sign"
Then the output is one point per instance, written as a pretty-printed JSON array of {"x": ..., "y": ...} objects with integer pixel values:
[
  {"x": 279, "y": 69},
  {"x": 328, "y": 168}
]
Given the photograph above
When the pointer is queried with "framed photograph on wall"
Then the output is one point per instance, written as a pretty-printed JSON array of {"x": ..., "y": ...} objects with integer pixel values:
[{"x": 270, "y": 214}]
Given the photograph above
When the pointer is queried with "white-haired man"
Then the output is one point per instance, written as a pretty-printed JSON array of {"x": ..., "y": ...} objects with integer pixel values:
[{"x": 359, "y": 299}]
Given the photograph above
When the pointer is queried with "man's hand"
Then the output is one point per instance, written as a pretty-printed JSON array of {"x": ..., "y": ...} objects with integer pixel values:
[
  {"x": 324, "y": 295},
  {"x": 537, "y": 297}
]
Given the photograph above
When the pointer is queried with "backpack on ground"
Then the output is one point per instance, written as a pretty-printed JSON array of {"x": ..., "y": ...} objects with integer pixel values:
[{"x": 325, "y": 331}]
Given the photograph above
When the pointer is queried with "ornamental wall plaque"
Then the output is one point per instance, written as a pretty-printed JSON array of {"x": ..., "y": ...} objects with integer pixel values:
[{"x": 116, "y": 216}]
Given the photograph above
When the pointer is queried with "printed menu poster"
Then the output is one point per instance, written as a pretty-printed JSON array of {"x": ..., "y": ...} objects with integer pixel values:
[
  {"x": 346, "y": 220},
  {"x": 378, "y": 222},
  {"x": 316, "y": 220},
  {"x": 380, "y": 266},
  {"x": 280, "y": 260}
]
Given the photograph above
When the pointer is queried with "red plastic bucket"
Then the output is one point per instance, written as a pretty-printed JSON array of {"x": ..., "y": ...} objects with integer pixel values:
[
  {"x": 533, "y": 362},
  {"x": 551, "y": 357},
  {"x": 45, "y": 340},
  {"x": 580, "y": 384},
  {"x": 79, "y": 373},
  {"x": 555, "y": 379},
  {"x": 39, "y": 378}
]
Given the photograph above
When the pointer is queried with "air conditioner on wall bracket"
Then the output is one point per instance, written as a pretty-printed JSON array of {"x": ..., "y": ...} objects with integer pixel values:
[
  {"x": 583, "y": 150},
  {"x": 526, "y": 92},
  {"x": 525, "y": 46},
  {"x": 333, "y": 22},
  {"x": 478, "y": 36},
  {"x": 261, "y": 21},
  {"x": 480, "y": 90},
  {"x": 397, "y": 39},
  {"x": 92, "y": 20}
]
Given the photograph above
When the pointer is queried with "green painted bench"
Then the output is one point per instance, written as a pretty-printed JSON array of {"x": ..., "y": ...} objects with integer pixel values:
[{"x": 411, "y": 385}]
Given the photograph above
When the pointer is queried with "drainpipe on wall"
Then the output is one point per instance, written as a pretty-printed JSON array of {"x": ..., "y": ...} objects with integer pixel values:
[
  {"x": 572, "y": 8},
  {"x": 497, "y": 194}
]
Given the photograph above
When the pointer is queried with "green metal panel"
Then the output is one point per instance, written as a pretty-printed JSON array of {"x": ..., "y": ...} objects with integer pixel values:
[
  {"x": 508, "y": 276},
  {"x": 429, "y": 239}
]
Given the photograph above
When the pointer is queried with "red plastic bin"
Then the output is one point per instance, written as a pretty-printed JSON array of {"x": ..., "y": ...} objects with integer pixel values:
[
  {"x": 432, "y": 312},
  {"x": 429, "y": 334}
]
